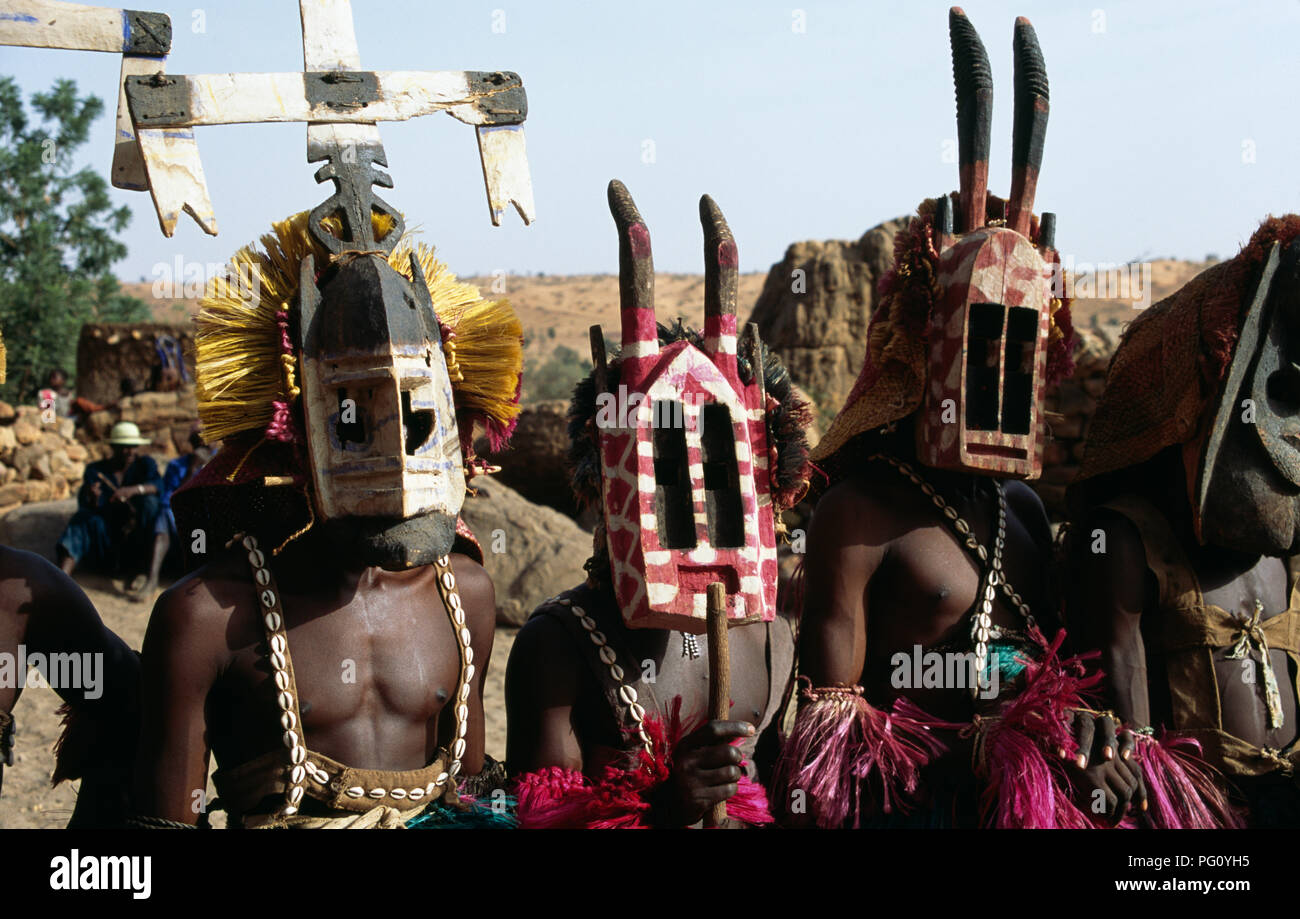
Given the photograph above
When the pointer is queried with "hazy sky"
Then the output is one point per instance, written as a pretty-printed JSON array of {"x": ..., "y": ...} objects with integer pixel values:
[{"x": 1172, "y": 123}]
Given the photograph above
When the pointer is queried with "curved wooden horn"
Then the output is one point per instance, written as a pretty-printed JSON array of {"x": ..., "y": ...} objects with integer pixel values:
[
  {"x": 974, "y": 82},
  {"x": 1030, "y": 127},
  {"x": 636, "y": 276},
  {"x": 721, "y": 278}
]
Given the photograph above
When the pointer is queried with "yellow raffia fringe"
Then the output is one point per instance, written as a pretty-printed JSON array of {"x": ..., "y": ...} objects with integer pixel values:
[
  {"x": 239, "y": 368},
  {"x": 2, "y": 358}
]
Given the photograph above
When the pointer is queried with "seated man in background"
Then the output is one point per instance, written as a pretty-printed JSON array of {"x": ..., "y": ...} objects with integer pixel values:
[{"x": 117, "y": 508}]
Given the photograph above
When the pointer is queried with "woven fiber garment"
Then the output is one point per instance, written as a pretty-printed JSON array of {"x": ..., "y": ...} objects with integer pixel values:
[{"x": 1173, "y": 359}]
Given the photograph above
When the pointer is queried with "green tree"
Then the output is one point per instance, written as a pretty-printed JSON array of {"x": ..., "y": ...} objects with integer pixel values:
[
  {"x": 58, "y": 235},
  {"x": 555, "y": 377}
]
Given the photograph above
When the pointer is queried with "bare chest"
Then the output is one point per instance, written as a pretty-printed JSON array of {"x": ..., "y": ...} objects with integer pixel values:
[
  {"x": 377, "y": 669},
  {"x": 929, "y": 584},
  {"x": 673, "y": 674},
  {"x": 682, "y": 669}
]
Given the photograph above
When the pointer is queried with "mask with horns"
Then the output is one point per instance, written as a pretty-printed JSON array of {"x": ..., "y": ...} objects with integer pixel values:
[
  {"x": 693, "y": 465},
  {"x": 988, "y": 331},
  {"x": 967, "y": 333}
]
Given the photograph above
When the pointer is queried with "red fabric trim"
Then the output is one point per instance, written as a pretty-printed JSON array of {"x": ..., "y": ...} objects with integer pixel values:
[{"x": 559, "y": 798}]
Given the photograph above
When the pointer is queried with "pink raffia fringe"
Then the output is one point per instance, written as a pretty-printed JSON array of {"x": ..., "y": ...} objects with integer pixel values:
[
  {"x": 1025, "y": 779},
  {"x": 559, "y": 798},
  {"x": 1025, "y": 783},
  {"x": 850, "y": 758},
  {"x": 1183, "y": 792}
]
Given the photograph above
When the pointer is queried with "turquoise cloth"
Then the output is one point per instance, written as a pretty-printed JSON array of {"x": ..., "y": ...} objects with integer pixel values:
[
  {"x": 1011, "y": 657},
  {"x": 495, "y": 816}
]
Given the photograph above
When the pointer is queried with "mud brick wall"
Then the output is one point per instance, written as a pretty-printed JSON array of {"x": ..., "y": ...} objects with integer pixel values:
[{"x": 109, "y": 352}]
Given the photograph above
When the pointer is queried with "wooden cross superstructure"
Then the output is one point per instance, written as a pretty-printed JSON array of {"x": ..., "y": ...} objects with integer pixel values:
[
  {"x": 143, "y": 39},
  {"x": 341, "y": 104}
]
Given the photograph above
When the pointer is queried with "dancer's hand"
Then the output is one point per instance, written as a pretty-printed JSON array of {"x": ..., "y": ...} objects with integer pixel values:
[
  {"x": 1106, "y": 779},
  {"x": 706, "y": 770}
]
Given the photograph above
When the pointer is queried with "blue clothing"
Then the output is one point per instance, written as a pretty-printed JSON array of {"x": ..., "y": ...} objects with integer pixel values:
[
  {"x": 178, "y": 470},
  {"x": 144, "y": 471},
  {"x": 112, "y": 535}
]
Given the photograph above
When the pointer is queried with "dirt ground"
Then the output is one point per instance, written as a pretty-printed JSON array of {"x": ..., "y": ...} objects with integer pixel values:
[{"x": 28, "y": 801}]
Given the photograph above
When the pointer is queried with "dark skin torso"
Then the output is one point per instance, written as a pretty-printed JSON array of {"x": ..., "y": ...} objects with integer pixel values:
[
  {"x": 884, "y": 572},
  {"x": 208, "y": 681},
  {"x": 44, "y": 610},
  {"x": 1119, "y": 604},
  {"x": 558, "y": 715}
]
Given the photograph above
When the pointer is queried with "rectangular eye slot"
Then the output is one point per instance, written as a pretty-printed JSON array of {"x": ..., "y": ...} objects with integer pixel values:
[
  {"x": 674, "y": 508},
  {"x": 983, "y": 353},
  {"x": 721, "y": 477},
  {"x": 349, "y": 427},
  {"x": 1018, "y": 377},
  {"x": 416, "y": 425}
]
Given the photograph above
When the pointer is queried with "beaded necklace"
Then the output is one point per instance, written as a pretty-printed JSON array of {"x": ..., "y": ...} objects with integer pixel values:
[{"x": 992, "y": 576}]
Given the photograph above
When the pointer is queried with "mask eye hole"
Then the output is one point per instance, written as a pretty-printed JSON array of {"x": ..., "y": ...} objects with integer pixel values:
[
  {"x": 1284, "y": 388},
  {"x": 1018, "y": 376},
  {"x": 983, "y": 350},
  {"x": 673, "y": 503},
  {"x": 721, "y": 477},
  {"x": 417, "y": 426},
  {"x": 349, "y": 427}
]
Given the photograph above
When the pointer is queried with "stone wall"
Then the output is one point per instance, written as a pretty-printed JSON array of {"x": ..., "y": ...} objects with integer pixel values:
[
  {"x": 38, "y": 461},
  {"x": 44, "y": 460},
  {"x": 165, "y": 417}
]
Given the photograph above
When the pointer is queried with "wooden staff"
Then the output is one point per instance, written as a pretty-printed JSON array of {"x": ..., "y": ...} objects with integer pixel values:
[
  {"x": 719, "y": 678},
  {"x": 107, "y": 481},
  {"x": 132, "y": 515}
]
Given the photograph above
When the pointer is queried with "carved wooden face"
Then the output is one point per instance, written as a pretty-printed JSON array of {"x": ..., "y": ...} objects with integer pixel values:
[
  {"x": 686, "y": 491},
  {"x": 1246, "y": 490},
  {"x": 380, "y": 419},
  {"x": 982, "y": 409}
]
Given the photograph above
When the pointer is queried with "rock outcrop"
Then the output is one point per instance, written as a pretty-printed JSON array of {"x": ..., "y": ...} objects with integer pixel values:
[
  {"x": 815, "y": 307},
  {"x": 534, "y": 465},
  {"x": 37, "y": 527},
  {"x": 531, "y": 552}
]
